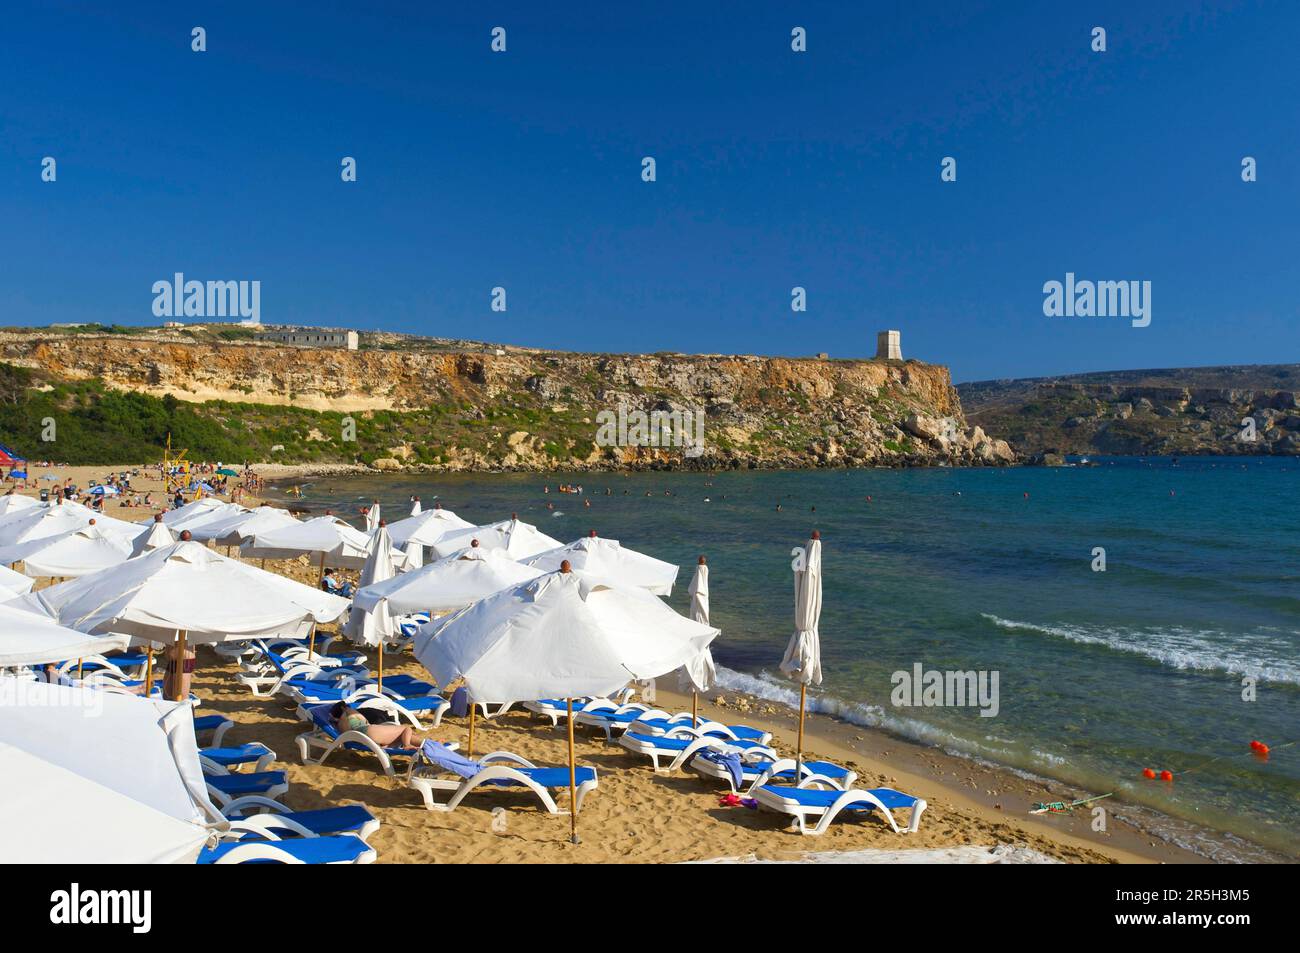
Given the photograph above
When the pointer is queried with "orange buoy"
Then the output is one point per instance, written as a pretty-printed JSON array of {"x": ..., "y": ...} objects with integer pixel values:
[
  {"x": 1166, "y": 775},
  {"x": 1148, "y": 774}
]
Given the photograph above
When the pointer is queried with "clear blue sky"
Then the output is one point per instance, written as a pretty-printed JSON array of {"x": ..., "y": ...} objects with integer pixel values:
[{"x": 775, "y": 169}]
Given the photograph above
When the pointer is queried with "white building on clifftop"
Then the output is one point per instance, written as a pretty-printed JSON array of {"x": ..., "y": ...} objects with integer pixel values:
[{"x": 889, "y": 345}]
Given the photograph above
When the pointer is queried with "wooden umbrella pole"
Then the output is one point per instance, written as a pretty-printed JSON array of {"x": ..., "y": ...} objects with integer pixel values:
[
  {"x": 311, "y": 643},
  {"x": 320, "y": 581},
  {"x": 148, "y": 671},
  {"x": 470, "y": 753},
  {"x": 381, "y": 665},
  {"x": 179, "y": 672},
  {"x": 798, "y": 751},
  {"x": 695, "y": 707},
  {"x": 573, "y": 782},
  {"x": 79, "y": 661}
]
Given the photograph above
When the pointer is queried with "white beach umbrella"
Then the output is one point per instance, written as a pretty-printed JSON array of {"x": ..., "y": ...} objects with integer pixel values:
[
  {"x": 372, "y": 517},
  {"x": 236, "y": 528},
  {"x": 14, "y": 502},
  {"x": 519, "y": 540},
  {"x": 30, "y": 638},
  {"x": 141, "y": 748},
  {"x": 426, "y": 527},
  {"x": 803, "y": 655},
  {"x": 699, "y": 674},
  {"x": 328, "y": 537},
  {"x": 187, "y": 592},
  {"x": 41, "y": 798},
  {"x": 193, "y": 511},
  {"x": 450, "y": 583},
  {"x": 13, "y": 583},
  {"x": 51, "y": 519},
  {"x": 78, "y": 553},
  {"x": 416, "y": 509},
  {"x": 610, "y": 559},
  {"x": 200, "y": 521},
  {"x": 564, "y": 634},
  {"x": 156, "y": 536},
  {"x": 374, "y": 625}
]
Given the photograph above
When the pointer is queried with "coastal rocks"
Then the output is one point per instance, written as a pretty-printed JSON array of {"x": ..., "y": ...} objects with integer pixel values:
[{"x": 387, "y": 464}]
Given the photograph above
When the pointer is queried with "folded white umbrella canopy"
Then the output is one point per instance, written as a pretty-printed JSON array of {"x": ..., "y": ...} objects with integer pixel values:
[
  {"x": 94, "y": 824},
  {"x": 448, "y": 584},
  {"x": 328, "y": 537},
  {"x": 141, "y": 748},
  {"x": 374, "y": 625},
  {"x": 190, "y": 589},
  {"x": 49, "y": 519},
  {"x": 803, "y": 654},
  {"x": 13, "y": 583},
  {"x": 565, "y": 634},
  {"x": 699, "y": 674},
  {"x": 416, "y": 509},
  {"x": 426, "y": 527},
  {"x": 372, "y": 517},
  {"x": 77, "y": 553},
  {"x": 519, "y": 540},
  {"x": 29, "y": 638},
  {"x": 14, "y": 502},
  {"x": 608, "y": 559},
  {"x": 234, "y": 529},
  {"x": 155, "y": 537}
]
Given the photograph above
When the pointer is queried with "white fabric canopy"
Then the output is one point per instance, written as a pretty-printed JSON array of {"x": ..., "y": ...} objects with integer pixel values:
[
  {"x": 51, "y": 815},
  {"x": 82, "y": 551},
  {"x": 562, "y": 635},
  {"x": 374, "y": 625},
  {"x": 155, "y": 537},
  {"x": 48, "y": 519},
  {"x": 427, "y": 527},
  {"x": 194, "y": 511},
  {"x": 14, "y": 502},
  {"x": 803, "y": 656},
  {"x": 700, "y": 673},
  {"x": 519, "y": 540},
  {"x": 415, "y": 507},
  {"x": 29, "y": 638},
  {"x": 187, "y": 586},
  {"x": 341, "y": 544},
  {"x": 372, "y": 517},
  {"x": 234, "y": 529},
  {"x": 447, "y": 584},
  {"x": 610, "y": 560},
  {"x": 142, "y": 748},
  {"x": 13, "y": 583}
]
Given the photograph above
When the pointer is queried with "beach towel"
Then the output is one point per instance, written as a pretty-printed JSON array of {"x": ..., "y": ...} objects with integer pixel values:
[
  {"x": 449, "y": 760},
  {"x": 729, "y": 760},
  {"x": 460, "y": 702}
]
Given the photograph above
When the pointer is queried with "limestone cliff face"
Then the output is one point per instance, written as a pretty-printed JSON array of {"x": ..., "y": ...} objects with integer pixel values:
[{"x": 758, "y": 411}]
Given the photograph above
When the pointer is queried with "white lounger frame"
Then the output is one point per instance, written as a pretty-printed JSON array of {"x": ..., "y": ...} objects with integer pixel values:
[
  {"x": 768, "y": 798},
  {"x": 427, "y": 778}
]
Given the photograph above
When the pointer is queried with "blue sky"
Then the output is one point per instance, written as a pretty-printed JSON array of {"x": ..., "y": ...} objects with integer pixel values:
[{"x": 775, "y": 169}]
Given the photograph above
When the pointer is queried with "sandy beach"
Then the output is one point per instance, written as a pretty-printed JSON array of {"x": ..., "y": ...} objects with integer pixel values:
[{"x": 638, "y": 816}]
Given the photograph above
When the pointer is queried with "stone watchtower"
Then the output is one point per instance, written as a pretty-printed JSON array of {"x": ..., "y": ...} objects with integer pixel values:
[{"x": 889, "y": 346}]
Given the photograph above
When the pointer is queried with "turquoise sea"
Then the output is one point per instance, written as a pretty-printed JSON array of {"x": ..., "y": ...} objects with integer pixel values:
[{"x": 1101, "y": 674}]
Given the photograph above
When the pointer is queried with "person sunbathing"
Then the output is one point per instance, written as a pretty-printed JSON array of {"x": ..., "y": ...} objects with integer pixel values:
[{"x": 381, "y": 731}]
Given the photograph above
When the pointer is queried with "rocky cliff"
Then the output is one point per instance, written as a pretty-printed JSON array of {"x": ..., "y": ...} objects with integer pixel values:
[
  {"x": 1249, "y": 409},
  {"x": 479, "y": 407}
]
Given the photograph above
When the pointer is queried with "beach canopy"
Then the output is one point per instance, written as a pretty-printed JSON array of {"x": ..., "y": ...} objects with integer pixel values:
[
  {"x": 155, "y": 537},
  {"x": 141, "y": 749},
  {"x": 700, "y": 673},
  {"x": 82, "y": 551},
  {"x": 803, "y": 654},
  {"x": 609, "y": 559},
  {"x": 226, "y": 471},
  {"x": 13, "y": 583},
  {"x": 13, "y": 502},
  {"x": 374, "y": 625},
  {"x": 193, "y": 511},
  {"x": 29, "y": 638},
  {"x": 55, "y": 519},
  {"x": 372, "y": 517},
  {"x": 326, "y": 536},
  {"x": 233, "y": 529},
  {"x": 416, "y": 509},
  {"x": 561, "y": 635},
  {"x": 426, "y": 527},
  {"x": 518, "y": 540},
  {"x": 450, "y": 583},
  {"x": 188, "y": 588},
  {"x": 10, "y": 457}
]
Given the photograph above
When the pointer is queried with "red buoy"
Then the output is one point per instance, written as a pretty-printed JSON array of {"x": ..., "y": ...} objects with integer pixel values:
[
  {"x": 1148, "y": 774},
  {"x": 1166, "y": 775}
]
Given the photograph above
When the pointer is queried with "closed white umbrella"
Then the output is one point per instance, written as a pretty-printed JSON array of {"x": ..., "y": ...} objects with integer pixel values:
[
  {"x": 448, "y": 584},
  {"x": 803, "y": 655},
  {"x": 700, "y": 673},
  {"x": 30, "y": 638},
  {"x": 78, "y": 553},
  {"x": 374, "y": 625},
  {"x": 609, "y": 558},
  {"x": 155, "y": 537},
  {"x": 415, "y": 506},
  {"x": 564, "y": 634},
  {"x": 519, "y": 540},
  {"x": 13, "y": 583},
  {"x": 187, "y": 592},
  {"x": 372, "y": 517}
]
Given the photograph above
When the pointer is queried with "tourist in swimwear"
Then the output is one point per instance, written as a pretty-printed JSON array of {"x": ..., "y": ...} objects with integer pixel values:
[{"x": 347, "y": 718}]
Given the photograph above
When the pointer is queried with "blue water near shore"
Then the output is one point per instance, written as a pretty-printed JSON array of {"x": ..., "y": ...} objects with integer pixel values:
[{"x": 1101, "y": 674}]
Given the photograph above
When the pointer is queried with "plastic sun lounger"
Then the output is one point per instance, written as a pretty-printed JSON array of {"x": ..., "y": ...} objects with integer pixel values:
[
  {"x": 757, "y": 771},
  {"x": 501, "y": 770},
  {"x": 340, "y": 849},
  {"x": 254, "y": 753},
  {"x": 279, "y": 820},
  {"x": 326, "y": 737},
  {"x": 803, "y": 803},
  {"x": 653, "y": 725},
  {"x": 227, "y": 789},
  {"x": 407, "y": 709},
  {"x": 269, "y": 677},
  {"x": 679, "y": 747},
  {"x": 217, "y": 724},
  {"x": 555, "y": 709},
  {"x": 621, "y": 719}
]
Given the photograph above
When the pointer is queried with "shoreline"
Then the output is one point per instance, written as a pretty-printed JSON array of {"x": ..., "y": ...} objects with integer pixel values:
[{"x": 978, "y": 803}]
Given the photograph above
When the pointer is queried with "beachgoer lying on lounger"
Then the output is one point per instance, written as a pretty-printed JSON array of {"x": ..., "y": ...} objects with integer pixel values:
[{"x": 382, "y": 731}]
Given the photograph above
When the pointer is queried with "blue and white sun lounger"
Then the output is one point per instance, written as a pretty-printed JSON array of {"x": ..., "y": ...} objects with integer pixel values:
[
  {"x": 439, "y": 768},
  {"x": 278, "y": 821},
  {"x": 254, "y": 753},
  {"x": 325, "y": 736},
  {"x": 226, "y": 789},
  {"x": 679, "y": 747},
  {"x": 341, "y": 849},
  {"x": 803, "y": 803},
  {"x": 652, "y": 725},
  {"x": 217, "y": 724},
  {"x": 757, "y": 769}
]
